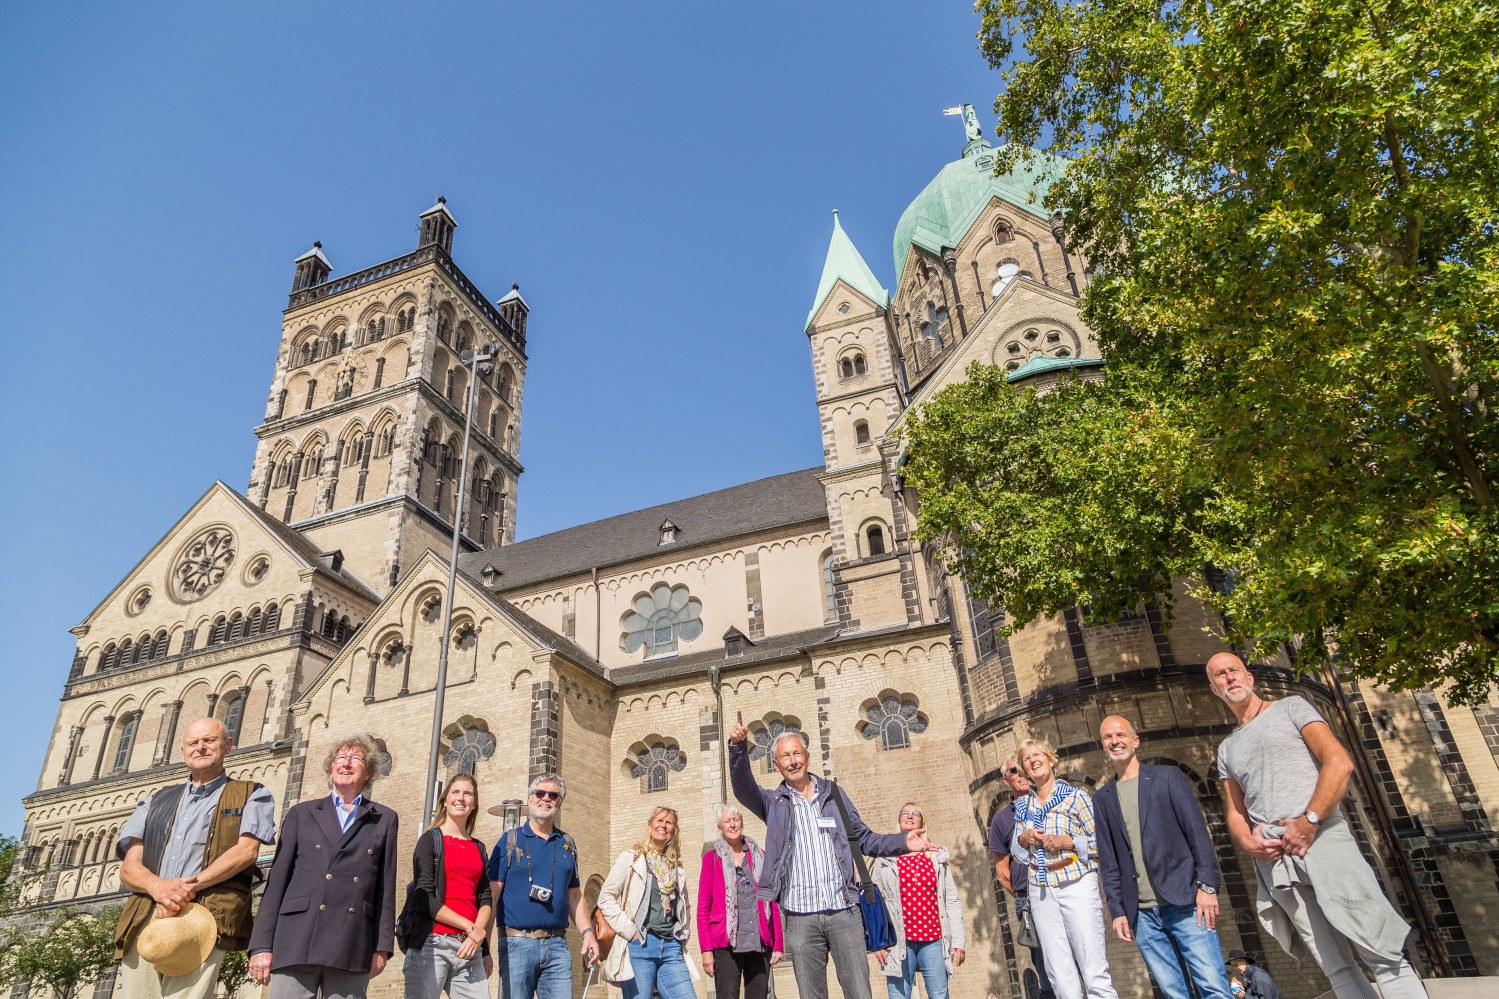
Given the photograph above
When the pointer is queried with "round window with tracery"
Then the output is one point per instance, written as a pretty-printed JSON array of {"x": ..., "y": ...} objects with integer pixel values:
[{"x": 204, "y": 562}]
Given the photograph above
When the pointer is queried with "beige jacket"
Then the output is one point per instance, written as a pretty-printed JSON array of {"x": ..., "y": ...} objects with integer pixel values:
[{"x": 624, "y": 899}]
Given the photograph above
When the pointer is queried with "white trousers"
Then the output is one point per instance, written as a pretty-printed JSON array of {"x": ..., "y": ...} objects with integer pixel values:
[
  {"x": 1069, "y": 921},
  {"x": 1333, "y": 952}
]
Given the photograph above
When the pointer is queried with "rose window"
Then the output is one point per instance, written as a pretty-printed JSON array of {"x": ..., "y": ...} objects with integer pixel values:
[
  {"x": 892, "y": 719},
  {"x": 474, "y": 743},
  {"x": 661, "y": 618},
  {"x": 654, "y": 765},
  {"x": 204, "y": 563}
]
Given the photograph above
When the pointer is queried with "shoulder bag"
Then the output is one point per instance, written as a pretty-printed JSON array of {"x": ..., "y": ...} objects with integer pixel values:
[{"x": 879, "y": 934}]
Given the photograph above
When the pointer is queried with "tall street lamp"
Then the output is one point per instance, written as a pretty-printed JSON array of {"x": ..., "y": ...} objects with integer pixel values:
[{"x": 478, "y": 363}]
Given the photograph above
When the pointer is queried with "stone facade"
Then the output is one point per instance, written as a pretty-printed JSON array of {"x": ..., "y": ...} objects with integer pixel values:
[{"x": 311, "y": 607}]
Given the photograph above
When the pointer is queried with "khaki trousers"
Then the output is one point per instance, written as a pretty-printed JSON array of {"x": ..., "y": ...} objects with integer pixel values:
[{"x": 139, "y": 979}]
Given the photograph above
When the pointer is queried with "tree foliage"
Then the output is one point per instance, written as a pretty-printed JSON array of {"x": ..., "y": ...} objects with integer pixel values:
[
  {"x": 1290, "y": 209},
  {"x": 64, "y": 955},
  {"x": 234, "y": 971}
]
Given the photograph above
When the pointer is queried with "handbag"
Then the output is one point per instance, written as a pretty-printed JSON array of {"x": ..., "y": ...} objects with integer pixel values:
[
  {"x": 411, "y": 915},
  {"x": 603, "y": 933},
  {"x": 1026, "y": 936},
  {"x": 879, "y": 932}
]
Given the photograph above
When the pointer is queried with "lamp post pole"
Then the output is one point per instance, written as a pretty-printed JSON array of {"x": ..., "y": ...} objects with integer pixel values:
[
  {"x": 715, "y": 677},
  {"x": 477, "y": 363}
]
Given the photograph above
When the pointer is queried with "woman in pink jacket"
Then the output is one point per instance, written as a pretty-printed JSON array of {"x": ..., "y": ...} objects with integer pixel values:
[{"x": 740, "y": 936}]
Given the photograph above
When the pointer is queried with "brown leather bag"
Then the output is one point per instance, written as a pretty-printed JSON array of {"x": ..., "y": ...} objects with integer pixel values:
[{"x": 603, "y": 933}]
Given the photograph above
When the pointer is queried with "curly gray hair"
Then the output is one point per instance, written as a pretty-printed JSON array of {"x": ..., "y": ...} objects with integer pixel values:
[
  {"x": 549, "y": 779},
  {"x": 366, "y": 747}
]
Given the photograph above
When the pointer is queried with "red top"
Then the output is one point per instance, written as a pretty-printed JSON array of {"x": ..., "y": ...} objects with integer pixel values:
[
  {"x": 461, "y": 870},
  {"x": 918, "y": 898}
]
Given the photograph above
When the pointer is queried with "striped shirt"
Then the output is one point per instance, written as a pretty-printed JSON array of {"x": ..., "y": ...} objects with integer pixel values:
[
  {"x": 1072, "y": 815},
  {"x": 813, "y": 883}
]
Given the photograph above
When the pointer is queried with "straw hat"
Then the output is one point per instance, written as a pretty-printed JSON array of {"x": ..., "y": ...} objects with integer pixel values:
[{"x": 178, "y": 945}]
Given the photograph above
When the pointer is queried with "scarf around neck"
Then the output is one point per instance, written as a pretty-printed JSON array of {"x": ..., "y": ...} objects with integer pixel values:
[{"x": 755, "y": 857}]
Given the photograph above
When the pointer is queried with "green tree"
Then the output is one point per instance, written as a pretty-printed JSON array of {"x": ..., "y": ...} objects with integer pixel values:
[
  {"x": 1290, "y": 209},
  {"x": 64, "y": 955}
]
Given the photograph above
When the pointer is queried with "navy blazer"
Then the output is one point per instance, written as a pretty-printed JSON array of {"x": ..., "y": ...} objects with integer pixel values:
[
  {"x": 330, "y": 899},
  {"x": 1178, "y": 851}
]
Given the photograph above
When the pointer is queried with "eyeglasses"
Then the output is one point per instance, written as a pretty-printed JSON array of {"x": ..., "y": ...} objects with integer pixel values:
[
  {"x": 351, "y": 760},
  {"x": 1013, "y": 772},
  {"x": 911, "y": 815},
  {"x": 547, "y": 795}
]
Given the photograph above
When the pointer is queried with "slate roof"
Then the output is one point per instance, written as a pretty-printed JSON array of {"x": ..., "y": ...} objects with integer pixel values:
[
  {"x": 767, "y": 649},
  {"x": 561, "y": 644},
  {"x": 765, "y": 504}
]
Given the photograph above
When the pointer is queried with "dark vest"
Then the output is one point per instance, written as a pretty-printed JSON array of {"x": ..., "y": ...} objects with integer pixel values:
[{"x": 229, "y": 900}]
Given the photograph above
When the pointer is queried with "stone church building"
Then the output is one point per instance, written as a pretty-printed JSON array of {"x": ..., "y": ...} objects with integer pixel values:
[{"x": 309, "y": 605}]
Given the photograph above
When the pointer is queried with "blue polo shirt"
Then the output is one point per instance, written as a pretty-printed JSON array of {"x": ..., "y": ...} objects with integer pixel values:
[{"x": 547, "y": 862}]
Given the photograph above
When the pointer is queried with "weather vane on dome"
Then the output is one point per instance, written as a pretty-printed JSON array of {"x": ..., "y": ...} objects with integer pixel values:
[{"x": 970, "y": 121}]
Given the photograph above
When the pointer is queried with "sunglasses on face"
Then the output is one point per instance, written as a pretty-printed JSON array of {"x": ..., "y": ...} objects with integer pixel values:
[
  {"x": 1013, "y": 772},
  {"x": 547, "y": 795}
]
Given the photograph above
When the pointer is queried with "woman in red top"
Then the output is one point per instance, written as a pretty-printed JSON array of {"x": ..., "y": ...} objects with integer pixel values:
[
  {"x": 449, "y": 887},
  {"x": 926, "y": 912}
]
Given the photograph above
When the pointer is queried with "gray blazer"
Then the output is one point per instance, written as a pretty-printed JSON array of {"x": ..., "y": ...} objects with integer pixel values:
[
  {"x": 331, "y": 897},
  {"x": 886, "y": 876}
]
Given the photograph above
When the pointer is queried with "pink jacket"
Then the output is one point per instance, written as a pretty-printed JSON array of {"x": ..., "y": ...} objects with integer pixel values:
[{"x": 712, "y": 912}]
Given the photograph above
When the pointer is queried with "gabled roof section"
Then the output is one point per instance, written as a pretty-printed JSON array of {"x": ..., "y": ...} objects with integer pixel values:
[
  {"x": 844, "y": 262},
  {"x": 307, "y": 554},
  {"x": 762, "y": 505},
  {"x": 316, "y": 253}
]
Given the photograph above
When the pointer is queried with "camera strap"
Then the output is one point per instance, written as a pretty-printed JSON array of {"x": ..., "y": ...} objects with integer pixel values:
[{"x": 530, "y": 875}]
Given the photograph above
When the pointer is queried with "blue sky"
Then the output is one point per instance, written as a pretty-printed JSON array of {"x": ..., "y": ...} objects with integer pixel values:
[{"x": 657, "y": 176}]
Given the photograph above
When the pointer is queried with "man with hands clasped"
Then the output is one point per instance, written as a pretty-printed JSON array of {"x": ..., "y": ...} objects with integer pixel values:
[
  {"x": 1160, "y": 876},
  {"x": 1285, "y": 774},
  {"x": 809, "y": 865}
]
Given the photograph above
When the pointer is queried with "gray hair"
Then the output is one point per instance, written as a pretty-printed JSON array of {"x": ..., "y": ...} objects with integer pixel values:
[
  {"x": 548, "y": 779},
  {"x": 366, "y": 746},
  {"x": 775, "y": 749},
  {"x": 727, "y": 810}
]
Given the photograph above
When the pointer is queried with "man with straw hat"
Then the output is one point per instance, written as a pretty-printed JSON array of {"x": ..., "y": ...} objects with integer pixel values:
[{"x": 189, "y": 853}]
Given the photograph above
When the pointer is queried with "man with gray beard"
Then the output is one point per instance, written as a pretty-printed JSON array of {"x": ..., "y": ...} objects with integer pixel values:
[{"x": 1285, "y": 775}]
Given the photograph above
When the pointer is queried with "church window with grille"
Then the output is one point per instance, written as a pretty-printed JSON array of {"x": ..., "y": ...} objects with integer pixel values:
[
  {"x": 472, "y": 744},
  {"x": 985, "y": 642},
  {"x": 234, "y": 715},
  {"x": 127, "y": 741},
  {"x": 654, "y": 765},
  {"x": 892, "y": 718},
  {"x": 829, "y": 589},
  {"x": 660, "y": 619}
]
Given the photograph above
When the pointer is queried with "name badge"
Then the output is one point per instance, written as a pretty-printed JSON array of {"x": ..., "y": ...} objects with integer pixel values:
[{"x": 826, "y": 822}]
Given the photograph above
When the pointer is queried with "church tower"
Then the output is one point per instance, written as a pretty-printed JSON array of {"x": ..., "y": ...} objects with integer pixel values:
[
  {"x": 361, "y": 443},
  {"x": 858, "y": 397}
]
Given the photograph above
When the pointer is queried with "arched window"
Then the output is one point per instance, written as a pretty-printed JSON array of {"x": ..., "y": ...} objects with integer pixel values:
[
  {"x": 254, "y": 622},
  {"x": 234, "y": 714},
  {"x": 507, "y": 383},
  {"x": 859, "y": 366},
  {"x": 874, "y": 537},
  {"x": 313, "y": 463},
  {"x": 846, "y": 367},
  {"x": 448, "y": 390},
  {"x": 660, "y": 618},
  {"x": 936, "y": 322},
  {"x": 272, "y": 618},
  {"x": 143, "y": 649},
  {"x": 892, "y": 718},
  {"x": 829, "y": 589},
  {"x": 220, "y": 632},
  {"x": 110, "y": 657},
  {"x": 379, "y": 372},
  {"x": 127, "y": 741},
  {"x": 162, "y": 644},
  {"x": 472, "y": 744},
  {"x": 861, "y": 432},
  {"x": 1003, "y": 232},
  {"x": 236, "y": 626},
  {"x": 654, "y": 764},
  {"x": 311, "y": 392},
  {"x": 127, "y": 653}
]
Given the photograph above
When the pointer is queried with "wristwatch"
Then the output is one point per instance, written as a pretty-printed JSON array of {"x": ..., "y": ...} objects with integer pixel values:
[
  {"x": 1313, "y": 818},
  {"x": 1206, "y": 888}
]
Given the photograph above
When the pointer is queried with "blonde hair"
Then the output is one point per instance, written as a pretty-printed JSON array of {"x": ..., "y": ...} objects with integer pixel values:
[
  {"x": 672, "y": 854},
  {"x": 1026, "y": 745},
  {"x": 911, "y": 804},
  {"x": 441, "y": 813}
]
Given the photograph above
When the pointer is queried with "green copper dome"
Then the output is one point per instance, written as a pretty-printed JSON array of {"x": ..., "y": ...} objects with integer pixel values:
[{"x": 951, "y": 203}]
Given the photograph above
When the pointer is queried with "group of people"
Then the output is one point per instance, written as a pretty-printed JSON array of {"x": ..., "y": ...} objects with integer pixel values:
[
  {"x": 1142, "y": 839},
  {"x": 327, "y": 921}
]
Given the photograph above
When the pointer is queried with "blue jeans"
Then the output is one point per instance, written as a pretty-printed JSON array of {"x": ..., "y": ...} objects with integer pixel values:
[
  {"x": 659, "y": 967},
  {"x": 542, "y": 969},
  {"x": 1176, "y": 948},
  {"x": 927, "y": 958}
]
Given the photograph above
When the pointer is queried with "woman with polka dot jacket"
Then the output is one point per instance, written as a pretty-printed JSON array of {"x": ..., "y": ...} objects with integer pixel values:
[{"x": 927, "y": 915}]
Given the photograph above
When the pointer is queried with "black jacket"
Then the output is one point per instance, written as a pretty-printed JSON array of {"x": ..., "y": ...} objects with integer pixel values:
[{"x": 1178, "y": 851}]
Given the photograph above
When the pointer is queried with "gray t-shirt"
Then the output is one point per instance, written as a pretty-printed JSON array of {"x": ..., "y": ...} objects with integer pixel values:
[
  {"x": 1271, "y": 762},
  {"x": 1129, "y": 804}
]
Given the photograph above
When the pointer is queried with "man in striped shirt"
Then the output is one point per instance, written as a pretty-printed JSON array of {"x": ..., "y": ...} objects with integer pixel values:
[{"x": 809, "y": 865}]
